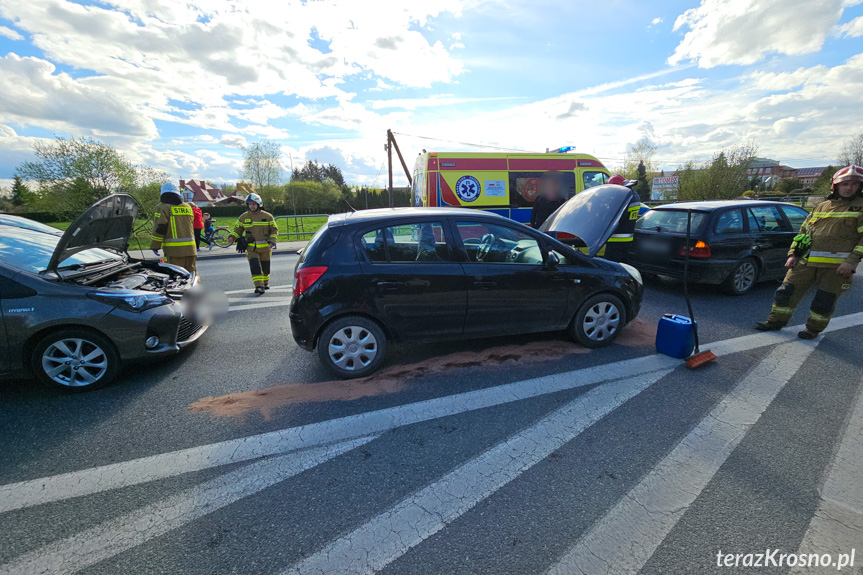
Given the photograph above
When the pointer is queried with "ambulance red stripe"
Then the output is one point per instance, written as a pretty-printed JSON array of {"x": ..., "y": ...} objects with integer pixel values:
[
  {"x": 541, "y": 164},
  {"x": 472, "y": 164}
]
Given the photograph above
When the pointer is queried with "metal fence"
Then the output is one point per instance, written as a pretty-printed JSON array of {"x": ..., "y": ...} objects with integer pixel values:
[{"x": 298, "y": 227}]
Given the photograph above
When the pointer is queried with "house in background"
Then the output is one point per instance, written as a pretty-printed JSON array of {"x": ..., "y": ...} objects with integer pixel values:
[
  {"x": 199, "y": 193},
  {"x": 807, "y": 176}
]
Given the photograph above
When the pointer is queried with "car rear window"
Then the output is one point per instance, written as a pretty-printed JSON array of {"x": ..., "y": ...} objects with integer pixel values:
[
  {"x": 670, "y": 221},
  {"x": 412, "y": 242}
]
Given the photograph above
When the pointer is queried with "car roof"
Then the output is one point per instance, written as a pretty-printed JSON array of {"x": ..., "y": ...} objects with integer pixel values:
[
  {"x": 391, "y": 214},
  {"x": 712, "y": 205}
]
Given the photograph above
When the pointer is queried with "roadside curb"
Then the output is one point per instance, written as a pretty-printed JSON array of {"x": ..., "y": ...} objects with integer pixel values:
[{"x": 222, "y": 254}]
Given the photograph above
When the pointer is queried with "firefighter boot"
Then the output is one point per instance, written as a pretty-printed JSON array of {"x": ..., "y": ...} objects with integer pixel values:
[
  {"x": 769, "y": 325},
  {"x": 806, "y": 334}
]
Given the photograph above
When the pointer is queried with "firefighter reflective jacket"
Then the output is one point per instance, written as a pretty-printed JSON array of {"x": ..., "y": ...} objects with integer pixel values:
[
  {"x": 259, "y": 229},
  {"x": 173, "y": 231},
  {"x": 834, "y": 231}
]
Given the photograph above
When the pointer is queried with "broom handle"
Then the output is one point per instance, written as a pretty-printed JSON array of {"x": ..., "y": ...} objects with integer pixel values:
[{"x": 686, "y": 278}]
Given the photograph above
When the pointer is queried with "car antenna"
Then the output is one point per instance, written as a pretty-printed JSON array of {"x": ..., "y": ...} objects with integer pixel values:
[{"x": 349, "y": 204}]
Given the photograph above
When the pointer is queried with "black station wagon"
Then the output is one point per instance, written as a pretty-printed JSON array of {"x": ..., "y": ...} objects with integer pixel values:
[
  {"x": 734, "y": 243},
  {"x": 419, "y": 274}
]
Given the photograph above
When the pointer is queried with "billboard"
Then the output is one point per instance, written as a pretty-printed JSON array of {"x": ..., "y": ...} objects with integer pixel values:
[{"x": 664, "y": 188}]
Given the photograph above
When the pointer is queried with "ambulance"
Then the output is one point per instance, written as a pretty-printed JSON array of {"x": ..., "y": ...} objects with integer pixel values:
[{"x": 505, "y": 184}]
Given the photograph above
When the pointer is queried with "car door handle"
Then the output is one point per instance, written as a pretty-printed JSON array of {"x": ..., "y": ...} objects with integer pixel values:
[
  {"x": 485, "y": 285},
  {"x": 390, "y": 285}
]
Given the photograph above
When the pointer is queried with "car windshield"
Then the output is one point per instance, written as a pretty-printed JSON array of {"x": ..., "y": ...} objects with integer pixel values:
[
  {"x": 31, "y": 250},
  {"x": 669, "y": 221}
]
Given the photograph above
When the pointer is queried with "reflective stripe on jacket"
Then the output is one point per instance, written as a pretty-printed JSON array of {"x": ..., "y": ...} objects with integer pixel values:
[
  {"x": 835, "y": 228},
  {"x": 258, "y": 227},
  {"x": 173, "y": 231}
]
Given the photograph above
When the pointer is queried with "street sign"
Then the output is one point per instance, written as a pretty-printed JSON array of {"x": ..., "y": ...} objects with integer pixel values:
[{"x": 664, "y": 188}]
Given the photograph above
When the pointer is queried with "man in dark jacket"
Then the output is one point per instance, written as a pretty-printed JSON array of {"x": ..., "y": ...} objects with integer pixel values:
[{"x": 551, "y": 194}]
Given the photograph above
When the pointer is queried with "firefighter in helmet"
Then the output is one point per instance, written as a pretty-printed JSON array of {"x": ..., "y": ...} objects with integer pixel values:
[
  {"x": 173, "y": 230},
  {"x": 255, "y": 233},
  {"x": 825, "y": 254}
]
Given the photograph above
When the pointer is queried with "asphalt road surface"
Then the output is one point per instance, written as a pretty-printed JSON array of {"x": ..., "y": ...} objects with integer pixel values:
[{"x": 512, "y": 455}]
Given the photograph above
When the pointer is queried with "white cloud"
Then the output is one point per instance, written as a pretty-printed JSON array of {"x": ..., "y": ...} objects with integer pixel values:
[
  {"x": 852, "y": 29},
  {"x": 724, "y": 32},
  {"x": 233, "y": 141},
  {"x": 10, "y": 33},
  {"x": 656, "y": 21},
  {"x": 31, "y": 92}
]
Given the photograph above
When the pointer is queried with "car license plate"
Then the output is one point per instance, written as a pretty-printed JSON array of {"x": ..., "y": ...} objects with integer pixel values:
[{"x": 651, "y": 246}]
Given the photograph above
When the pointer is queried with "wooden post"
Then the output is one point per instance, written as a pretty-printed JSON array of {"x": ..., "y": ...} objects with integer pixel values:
[
  {"x": 395, "y": 144},
  {"x": 390, "y": 165}
]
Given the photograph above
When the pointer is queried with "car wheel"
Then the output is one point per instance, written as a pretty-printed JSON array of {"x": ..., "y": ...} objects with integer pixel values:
[
  {"x": 352, "y": 346},
  {"x": 742, "y": 277},
  {"x": 75, "y": 360},
  {"x": 598, "y": 321}
]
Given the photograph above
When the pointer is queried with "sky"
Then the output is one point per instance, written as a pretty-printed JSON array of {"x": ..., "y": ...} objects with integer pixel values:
[{"x": 183, "y": 86}]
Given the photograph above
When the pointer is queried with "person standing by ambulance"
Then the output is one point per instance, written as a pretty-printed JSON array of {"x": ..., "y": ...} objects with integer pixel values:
[
  {"x": 256, "y": 233},
  {"x": 173, "y": 229},
  {"x": 825, "y": 254}
]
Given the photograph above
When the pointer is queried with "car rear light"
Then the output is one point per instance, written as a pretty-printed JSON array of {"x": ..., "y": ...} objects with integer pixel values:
[
  {"x": 305, "y": 277},
  {"x": 699, "y": 250},
  {"x": 564, "y": 236}
]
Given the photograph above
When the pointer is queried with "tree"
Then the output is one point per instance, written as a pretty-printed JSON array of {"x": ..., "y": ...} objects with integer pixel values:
[
  {"x": 314, "y": 172},
  {"x": 822, "y": 183},
  {"x": 724, "y": 177},
  {"x": 642, "y": 188},
  {"x": 639, "y": 153},
  {"x": 64, "y": 160},
  {"x": 262, "y": 164},
  {"x": 787, "y": 186},
  {"x": 21, "y": 196},
  {"x": 852, "y": 151}
]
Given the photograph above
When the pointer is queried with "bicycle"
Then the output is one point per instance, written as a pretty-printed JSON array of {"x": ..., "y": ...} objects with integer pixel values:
[{"x": 217, "y": 236}]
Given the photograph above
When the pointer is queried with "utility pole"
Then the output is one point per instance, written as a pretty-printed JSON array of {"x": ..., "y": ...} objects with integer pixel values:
[
  {"x": 391, "y": 143},
  {"x": 390, "y": 165}
]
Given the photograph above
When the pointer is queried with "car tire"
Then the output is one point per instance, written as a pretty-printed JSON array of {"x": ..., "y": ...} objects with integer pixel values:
[
  {"x": 598, "y": 321},
  {"x": 742, "y": 278},
  {"x": 75, "y": 360},
  {"x": 352, "y": 346}
]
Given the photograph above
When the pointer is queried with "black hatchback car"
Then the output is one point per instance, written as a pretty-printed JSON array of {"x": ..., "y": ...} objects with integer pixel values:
[
  {"x": 420, "y": 274},
  {"x": 734, "y": 243}
]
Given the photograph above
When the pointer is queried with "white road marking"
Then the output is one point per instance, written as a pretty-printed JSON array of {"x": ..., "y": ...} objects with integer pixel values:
[
  {"x": 272, "y": 288},
  {"x": 393, "y": 532},
  {"x": 126, "y": 532},
  {"x": 624, "y": 539},
  {"x": 134, "y": 472},
  {"x": 837, "y": 526},
  {"x": 262, "y": 304}
]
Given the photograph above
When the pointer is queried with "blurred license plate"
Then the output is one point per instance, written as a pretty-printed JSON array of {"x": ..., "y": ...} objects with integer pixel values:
[{"x": 652, "y": 246}]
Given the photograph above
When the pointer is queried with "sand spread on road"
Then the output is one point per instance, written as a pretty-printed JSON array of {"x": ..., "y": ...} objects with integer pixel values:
[{"x": 394, "y": 379}]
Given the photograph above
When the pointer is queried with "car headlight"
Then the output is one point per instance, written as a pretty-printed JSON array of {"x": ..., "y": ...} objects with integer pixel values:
[
  {"x": 131, "y": 300},
  {"x": 633, "y": 272}
]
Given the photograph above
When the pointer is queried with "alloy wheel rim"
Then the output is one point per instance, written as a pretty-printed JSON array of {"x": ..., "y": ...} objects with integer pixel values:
[
  {"x": 601, "y": 321},
  {"x": 74, "y": 362},
  {"x": 352, "y": 348},
  {"x": 744, "y": 277}
]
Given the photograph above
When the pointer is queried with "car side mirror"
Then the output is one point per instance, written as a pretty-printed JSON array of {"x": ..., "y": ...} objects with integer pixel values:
[{"x": 553, "y": 259}]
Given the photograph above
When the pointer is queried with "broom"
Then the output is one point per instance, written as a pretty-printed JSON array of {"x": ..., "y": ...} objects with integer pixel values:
[{"x": 698, "y": 357}]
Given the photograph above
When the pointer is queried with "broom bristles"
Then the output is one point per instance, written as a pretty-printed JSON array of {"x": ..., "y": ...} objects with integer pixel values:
[{"x": 700, "y": 359}]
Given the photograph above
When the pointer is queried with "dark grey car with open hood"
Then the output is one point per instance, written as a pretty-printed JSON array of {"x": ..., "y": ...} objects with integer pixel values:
[{"x": 74, "y": 307}]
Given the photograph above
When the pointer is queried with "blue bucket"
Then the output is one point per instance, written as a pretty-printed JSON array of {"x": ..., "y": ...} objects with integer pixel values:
[{"x": 675, "y": 336}]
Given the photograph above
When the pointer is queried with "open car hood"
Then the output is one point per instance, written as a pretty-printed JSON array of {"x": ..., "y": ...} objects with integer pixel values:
[
  {"x": 591, "y": 215},
  {"x": 106, "y": 224}
]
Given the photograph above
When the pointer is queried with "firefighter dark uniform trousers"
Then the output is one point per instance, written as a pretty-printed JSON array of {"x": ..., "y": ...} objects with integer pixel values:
[
  {"x": 173, "y": 232},
  {"x": 259, "y": 230},
  {"x": 830, "y": 236}
]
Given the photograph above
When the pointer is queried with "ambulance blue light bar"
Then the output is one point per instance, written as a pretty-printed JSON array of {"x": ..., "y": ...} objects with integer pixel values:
[{"x": 564, "y": 149}]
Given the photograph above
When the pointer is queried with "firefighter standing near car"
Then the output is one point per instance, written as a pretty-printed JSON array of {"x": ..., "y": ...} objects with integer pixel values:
[
  {"x": 618, "y": 245},
  {"x": 173, "y": 230},
  {"x": 825, "y": 254},
  {"x": 255, "y": 233}
]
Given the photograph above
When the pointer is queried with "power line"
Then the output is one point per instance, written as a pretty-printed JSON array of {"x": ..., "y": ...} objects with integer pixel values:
[{"x": 488, "y": 146}]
